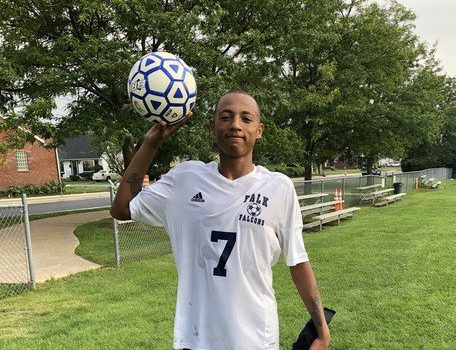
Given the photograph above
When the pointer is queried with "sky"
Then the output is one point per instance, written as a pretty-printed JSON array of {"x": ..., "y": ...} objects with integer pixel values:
[{"x": 434, "y": 24}]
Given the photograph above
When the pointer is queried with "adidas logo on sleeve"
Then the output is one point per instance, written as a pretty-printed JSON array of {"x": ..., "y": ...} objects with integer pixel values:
[{"x": 198, "y": 198}]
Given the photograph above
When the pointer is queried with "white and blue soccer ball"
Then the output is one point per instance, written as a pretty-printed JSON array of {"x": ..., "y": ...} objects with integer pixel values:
[{"x": 161, "y": 86}]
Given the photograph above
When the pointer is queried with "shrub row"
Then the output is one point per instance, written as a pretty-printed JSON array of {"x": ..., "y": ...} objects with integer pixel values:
[
  {"x": 52, "y": 187},
  {"x": 291, "y": 171}
]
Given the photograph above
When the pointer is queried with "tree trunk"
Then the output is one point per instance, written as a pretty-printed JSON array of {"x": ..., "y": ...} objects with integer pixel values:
[
  {"x": 308, "y": 158},
  {"x": 307, "y": 176},
  {"x": 128, "y": 151},
  {"x": 308, "y": 168},
  {"x": 369, "y": 166}
]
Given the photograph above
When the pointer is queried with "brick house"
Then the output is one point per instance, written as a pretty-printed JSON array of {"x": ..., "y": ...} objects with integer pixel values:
[{"x": 34, "y": 164}]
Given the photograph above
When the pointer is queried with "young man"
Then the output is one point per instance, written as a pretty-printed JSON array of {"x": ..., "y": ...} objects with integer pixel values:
[{"x": 228, "y": 223}]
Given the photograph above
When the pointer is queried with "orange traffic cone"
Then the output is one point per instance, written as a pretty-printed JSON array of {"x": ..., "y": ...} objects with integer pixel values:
[
  {"x": 341, "y": 198},
  {"x": 145, "y": 181},
  {"x": 336, "y": 198}
]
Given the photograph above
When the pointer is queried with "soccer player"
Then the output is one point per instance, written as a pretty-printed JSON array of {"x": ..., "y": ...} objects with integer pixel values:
[{"x": 228, "y": 222}]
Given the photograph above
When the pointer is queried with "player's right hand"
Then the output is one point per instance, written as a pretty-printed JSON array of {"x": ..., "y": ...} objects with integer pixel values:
[{"x": 161, "y": 131}]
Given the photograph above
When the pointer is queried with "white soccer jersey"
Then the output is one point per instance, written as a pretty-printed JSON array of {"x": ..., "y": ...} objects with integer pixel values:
[{"x": 225, "y": 236}]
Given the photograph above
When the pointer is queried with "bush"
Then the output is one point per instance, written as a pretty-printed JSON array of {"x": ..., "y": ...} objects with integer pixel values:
[
  {"x": 49, "y": 188},
  {"x": 290, "y": 171},
  {"x": 86, "y": 175}
]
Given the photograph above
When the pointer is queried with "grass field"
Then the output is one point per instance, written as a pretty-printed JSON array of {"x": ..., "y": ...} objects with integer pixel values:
[
  {"x": 389, "y": 273},
  {"x": 136, "y": 240},
  {"x": 76, "y": 187}
]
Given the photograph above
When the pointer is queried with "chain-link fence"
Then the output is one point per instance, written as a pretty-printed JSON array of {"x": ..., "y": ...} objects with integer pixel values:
[
  {"x": 138, "y": 241},
  {"x": 135, "y": 240},
  {"x": 16, "y": 269},
  {"x": 348, "y": 185},
  {"x": 408, "y": 179}
]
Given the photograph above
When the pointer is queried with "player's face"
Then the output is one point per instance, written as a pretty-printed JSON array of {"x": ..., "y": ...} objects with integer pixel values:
[{"x": 236, "y": 125}]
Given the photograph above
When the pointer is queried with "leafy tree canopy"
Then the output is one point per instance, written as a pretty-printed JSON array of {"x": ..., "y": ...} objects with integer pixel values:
[{"x": 331, "y": 76}]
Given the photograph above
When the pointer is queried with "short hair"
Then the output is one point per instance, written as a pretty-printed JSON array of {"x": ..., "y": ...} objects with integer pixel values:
[{"x": 236, "y": 91}]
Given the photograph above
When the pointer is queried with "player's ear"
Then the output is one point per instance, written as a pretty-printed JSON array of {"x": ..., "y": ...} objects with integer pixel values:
[
  {"x": 212, "y": 125},
  {"x": 260, "y": 131}
]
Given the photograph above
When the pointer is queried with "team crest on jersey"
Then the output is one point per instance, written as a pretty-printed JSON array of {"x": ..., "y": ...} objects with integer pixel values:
[
  {"x": 254, "y": 209},
  {"x": 256, "y": 203}
]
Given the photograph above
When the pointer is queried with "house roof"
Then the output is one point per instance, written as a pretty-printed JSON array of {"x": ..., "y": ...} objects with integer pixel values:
[
  {"x": 79, "y": 147},
  {"x": 35, "y": 136}
]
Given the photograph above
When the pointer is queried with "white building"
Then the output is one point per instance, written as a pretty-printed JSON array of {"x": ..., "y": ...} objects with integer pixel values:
[{"x": 79, "y": 156}]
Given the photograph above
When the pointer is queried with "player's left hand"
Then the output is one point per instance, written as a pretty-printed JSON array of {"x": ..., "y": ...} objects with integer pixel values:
[
  {"x": 319, "y": 344},
  {"x": 161, "y": 131}
]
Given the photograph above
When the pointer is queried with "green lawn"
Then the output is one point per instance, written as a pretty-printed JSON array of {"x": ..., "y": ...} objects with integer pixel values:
[
  {"x": 96, "y": 242},
  {"x": 76, "y": 187},
  {"x": 388, "y": 272},
  {"x": 136, "y": 240}
]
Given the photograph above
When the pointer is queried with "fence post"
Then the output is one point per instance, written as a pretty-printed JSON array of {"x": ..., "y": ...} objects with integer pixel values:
[
  {"x": 28, "y": 241},
  {"x": 116, "y": 231}
]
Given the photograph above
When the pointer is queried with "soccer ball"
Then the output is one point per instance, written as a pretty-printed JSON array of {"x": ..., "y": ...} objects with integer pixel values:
[{"x": 161, "y": 87}]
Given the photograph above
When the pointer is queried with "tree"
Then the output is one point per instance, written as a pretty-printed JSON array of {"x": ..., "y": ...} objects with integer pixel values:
[
  {"x": 397, "y": 89},
  {"x": 85, "y": 49},
  {"x": 335, "y": 74},
  {"x": 351, "y": 75},
  {"x": 304, "y": 67},
  {"x": 432, "y": 153}
]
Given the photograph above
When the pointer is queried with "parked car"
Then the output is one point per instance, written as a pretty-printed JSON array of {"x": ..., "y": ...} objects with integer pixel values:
[
  {"x": 396, "y": 164},
  {"x": 105, "y": 175},
  {"x": 375, "y": 171}
]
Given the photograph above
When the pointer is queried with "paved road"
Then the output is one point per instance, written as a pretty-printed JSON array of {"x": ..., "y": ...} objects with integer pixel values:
[
  {"x": 70, "y": 205},
  {"x": 50, "y": 204}
]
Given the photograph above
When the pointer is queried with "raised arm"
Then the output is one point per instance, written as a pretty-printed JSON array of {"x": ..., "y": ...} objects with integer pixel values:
[
  {"x": 306, "y": 284},
  {"x": 131, "y": 182}
]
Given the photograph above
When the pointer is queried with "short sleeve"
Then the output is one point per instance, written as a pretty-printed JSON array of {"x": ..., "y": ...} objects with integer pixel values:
[
  {"x": 290, "y": 229},
  {"x": 149, "y": 205}
]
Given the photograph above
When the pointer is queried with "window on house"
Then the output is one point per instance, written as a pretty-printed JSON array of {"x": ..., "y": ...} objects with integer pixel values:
[
  {"x": 88, "y": 165},
  {"x": 22, "y": 161}
]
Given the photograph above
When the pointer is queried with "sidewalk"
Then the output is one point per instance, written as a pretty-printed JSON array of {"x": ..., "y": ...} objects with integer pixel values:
[
  {"x": 54, "y": 199},
  {"x": 53, "y": 246}
]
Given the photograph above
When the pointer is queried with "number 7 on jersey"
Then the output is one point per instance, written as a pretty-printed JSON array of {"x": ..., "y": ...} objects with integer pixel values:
[{"x": 230, "y": 237}]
